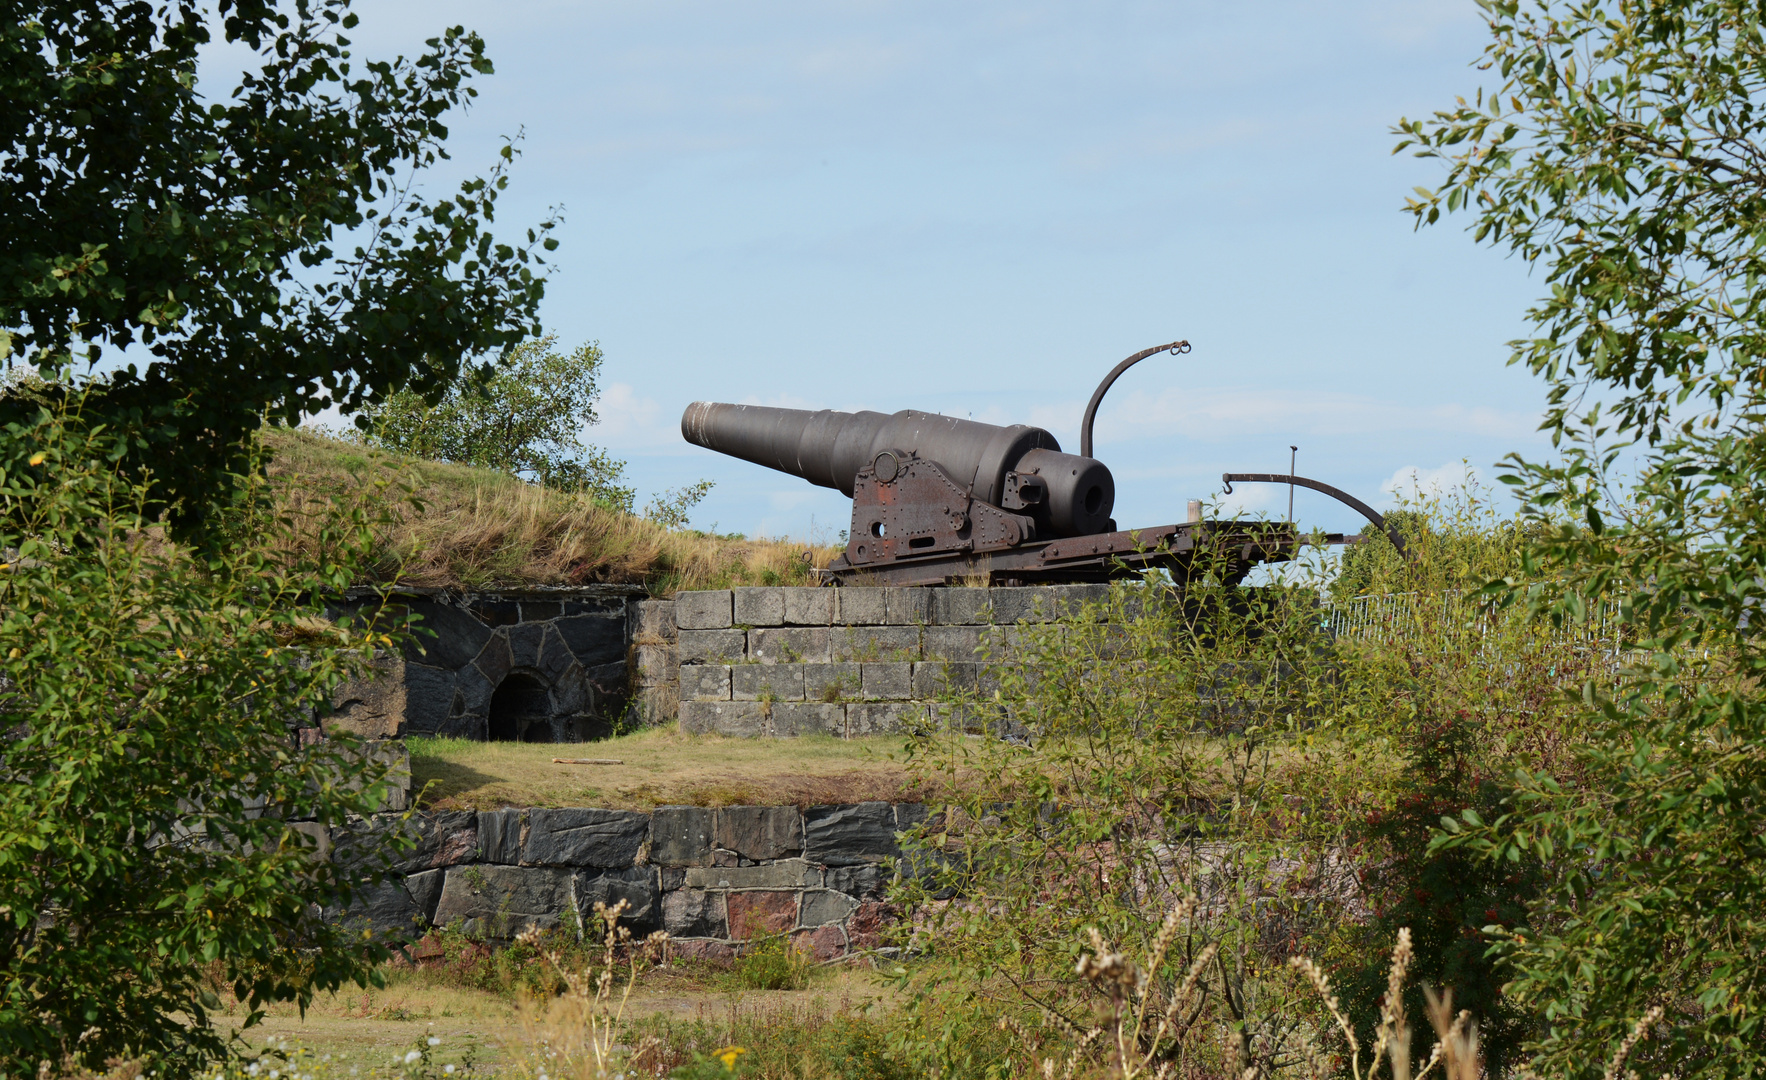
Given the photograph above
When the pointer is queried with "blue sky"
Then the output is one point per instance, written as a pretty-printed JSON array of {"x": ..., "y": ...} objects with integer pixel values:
[{"x": 979, "y": 208}]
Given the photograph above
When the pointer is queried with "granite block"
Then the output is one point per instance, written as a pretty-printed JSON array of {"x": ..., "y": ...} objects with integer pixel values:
[
  {"x": 786, "y": 874},
  {"x": 524, "y": 644},
  {"x": 887, "y": 682},
  {"x": 759, "y": 607},
  {"x": 653, "y": 705},
  {"x": 810, "y": 606},
  {"x": 962, "y": 607},
  {"x": 760, "y": 914},
  {"x": 425, "y": 890},
  {"x": 884, "y": 718},
  {"x": 1030, "y": 603},
  {"x": 745, "y": 718},
  {"x": 445, "y": 637},
  {"x": 960, "y": 643},
  {"x": 441, "y": 838},
  {"x": 655, "y": 664},
  {"x": 495, "y": 659},
  {"x": 859, "y": 882},
  {"x": 501, "y": 901},
  {"x": 713, "y": 646},
  {"x": 708, "y": 610},
  {"x": 789, "y": 645},
  {"x": 793, "y": 718},
  {"x": 694, "y": 913},
  {"x": 636, "y": 885},
  {"x": 824, "y": 943},
  {"x": 681, "y": 835},
  {"x": 594, "y": 639},
  {"x": 429, "y": 697},
  {"x": 499, "y": 836},
  {"x": 875, "y": 643},
  {"x": 705, "y": 682},
  {"x": 821, "y": 907},
  {"x": 386, "y": 908},
  {"x": 907, "y": 606},
  {"x": 583, "y": 837},
  {"x": 760, "y": 833},
  {"x": 651, "y": 620},
  {"x": 831, "y": 682},
  {"x": 862, "y": 606},
  {"x": 766, "y": 682},
  {"x": 849, "y": 834}
]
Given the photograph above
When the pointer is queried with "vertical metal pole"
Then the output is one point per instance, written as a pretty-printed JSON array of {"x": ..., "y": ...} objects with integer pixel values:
[{"x": 1293, "y": 455}]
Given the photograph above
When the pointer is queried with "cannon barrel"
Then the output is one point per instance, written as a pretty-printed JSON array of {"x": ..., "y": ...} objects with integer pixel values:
[{"x": 829, "y": 448}]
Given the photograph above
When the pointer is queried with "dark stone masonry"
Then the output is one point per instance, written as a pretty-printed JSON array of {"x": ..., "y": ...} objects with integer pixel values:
[
  {"x": 542, "y": 665},
  {"x": 712, "y": 878},
  {"x": 567, "y": 665}
]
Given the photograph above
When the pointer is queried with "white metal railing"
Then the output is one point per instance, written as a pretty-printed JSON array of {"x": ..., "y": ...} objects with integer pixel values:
[{"x": 1384, "y": 617}]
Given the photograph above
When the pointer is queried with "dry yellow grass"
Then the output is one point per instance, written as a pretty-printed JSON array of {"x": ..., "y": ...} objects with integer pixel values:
[
  {"x": 452, "y": 525},
  {"x": 662, "y": 767},
  {"x": 368, "y": 1027}
]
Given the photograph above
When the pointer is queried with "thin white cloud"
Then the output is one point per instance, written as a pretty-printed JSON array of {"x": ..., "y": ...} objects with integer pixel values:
[
  {"x": 1249, "y": 500},
  {"x": 1412, "y": 483},
  {"x": 630, "y": 421},
  {"x": 1227, "y": 413}
]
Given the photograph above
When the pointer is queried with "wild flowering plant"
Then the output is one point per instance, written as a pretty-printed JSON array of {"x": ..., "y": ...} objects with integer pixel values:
[{"x": 580, "y": 1034}]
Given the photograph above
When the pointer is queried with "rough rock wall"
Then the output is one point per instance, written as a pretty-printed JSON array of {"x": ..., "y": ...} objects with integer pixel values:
[
  {"x": 713, "y": 878},
  {"x": 568, "y": 645}
]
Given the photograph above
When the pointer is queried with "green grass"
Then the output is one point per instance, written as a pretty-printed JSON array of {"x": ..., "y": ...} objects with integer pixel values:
[{"x": 661, "y": 767}]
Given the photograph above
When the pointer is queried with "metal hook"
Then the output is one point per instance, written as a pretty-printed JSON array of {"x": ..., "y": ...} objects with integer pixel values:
[{"x": 1091, "y": 409}]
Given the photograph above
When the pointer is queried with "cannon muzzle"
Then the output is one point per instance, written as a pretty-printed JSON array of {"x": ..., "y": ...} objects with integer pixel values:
[{"x": 829, "y": 449}]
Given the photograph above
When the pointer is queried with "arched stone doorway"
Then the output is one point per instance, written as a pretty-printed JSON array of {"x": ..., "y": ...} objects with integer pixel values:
[{"x": 521, "y": 710}]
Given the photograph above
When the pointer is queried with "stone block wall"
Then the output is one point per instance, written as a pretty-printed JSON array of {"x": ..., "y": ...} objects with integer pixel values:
[
  {"x": 560, "y": 656},
  {"x": 847, "y": 661},
  {"x": 713, "y": 878},
  {"x": 763, "y": 661}
]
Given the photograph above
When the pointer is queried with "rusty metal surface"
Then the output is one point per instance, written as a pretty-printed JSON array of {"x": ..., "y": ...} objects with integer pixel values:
[
  {"x": 906, "y": 507},
  {"x": 938, "y": 499},
  {"x": 1366, "y": 511},
  {"x": 1175, "y": 348},
  {"x": 1237, "y": 546}
]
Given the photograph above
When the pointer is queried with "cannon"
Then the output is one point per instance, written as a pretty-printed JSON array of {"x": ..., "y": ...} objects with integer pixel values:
[{"x": 937, "y": 499}]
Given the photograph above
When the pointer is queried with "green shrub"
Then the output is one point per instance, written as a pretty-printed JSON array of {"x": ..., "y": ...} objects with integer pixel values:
[
  {"x": 515, "y": 969},
  {"x": 1149, "y": 734},
  {"x": 151, "y": 696},
  {"x": 772, "y": 964},
  {"x": 1220, "y": 741}
]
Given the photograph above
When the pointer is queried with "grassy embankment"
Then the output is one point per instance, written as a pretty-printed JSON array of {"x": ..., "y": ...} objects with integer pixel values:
[{"x": 456, "y": 526}]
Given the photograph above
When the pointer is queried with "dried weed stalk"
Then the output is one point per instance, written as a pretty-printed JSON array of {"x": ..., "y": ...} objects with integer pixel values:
[
  {"x": 1456, "y": 1035},
  {"x": 581, "y": 1031}
]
